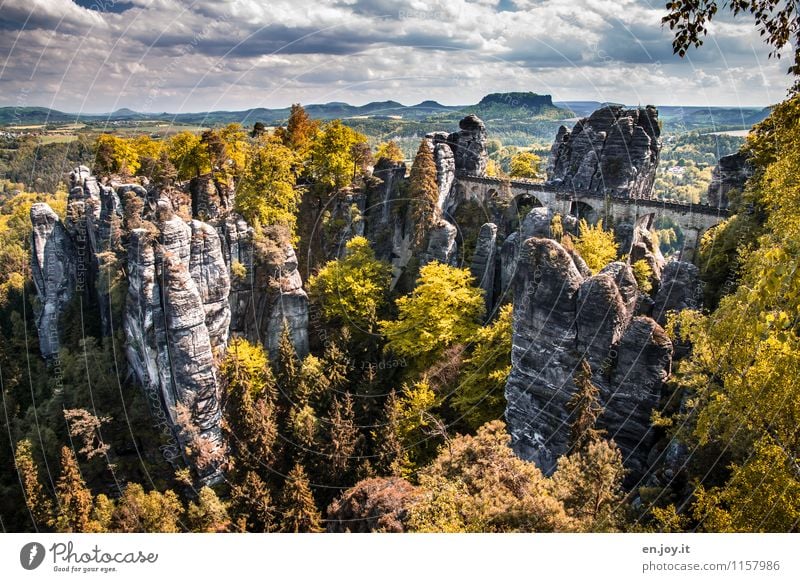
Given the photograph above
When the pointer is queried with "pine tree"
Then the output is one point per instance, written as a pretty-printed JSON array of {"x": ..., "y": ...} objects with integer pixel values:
[
  {"x": 251, "y": 504},
  {"x": 343, "y": 436},
  {"x": 209, "y": 514},
  {"x": 74, "y": 498},
  {"x": 288, "y": 369},
  {"x": 300, "y": 513},
  {"x": 424, "y": 191},
  {"x": 584, "y": 408},
  {"x": 39, "y": 504},
  {"x": 392, "y": 457},
  {"x": 249, "y": 406}
]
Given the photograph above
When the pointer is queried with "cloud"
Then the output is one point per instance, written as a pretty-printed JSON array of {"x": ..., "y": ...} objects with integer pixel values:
[{"x": 201, "y": 54}]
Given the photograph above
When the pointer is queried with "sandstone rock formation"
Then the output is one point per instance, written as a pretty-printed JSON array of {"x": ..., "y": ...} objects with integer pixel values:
[
  {"x": 561, "y": 317},
  {"x": 730, "y": 173},
  {"x": 190, "y": 284},
  {"x": 613, "y": 151},
  {"x": 53, "y": 269},
  {"x": 484, "y": 262},
  {"x": 469, "y": 146}
]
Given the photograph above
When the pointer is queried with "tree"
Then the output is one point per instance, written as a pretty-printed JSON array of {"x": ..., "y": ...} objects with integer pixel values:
[
  {"x": 209, "y": 514},
  {"x": 331, "y": 164},
  {"x": 74, "y": 500},
  {"x": 187, "y": 155},
  {"x": 479, "y": 396},
  {"x": 389, "y": 150},
  {"x": 362, "y": 158},
  {"x": 777, "y": 22},
  {"x": 152, "y": 512},
  {"x": 266, "y": 192},
  {"x": 589, "y": 482},
  {"x": 391, "y": 454},
  {"x": 251, "y": 504},
  {"x": 39, "y": 504},
  {"x": 526, "y": 165},
  {"x": 115, "y": 155},
  {"x": 443, "y": 309},
  {"x": 300, "y": 131},
  {"x": 584, "y": 408},
  {"x": 343, "y": 437},
  {"x": 352, "y": 289},
  {"x": 643, "y": 273},
  {"x": 300, "y": 513},
  {"x": 423, "y": 191},
  {"x": 288, "y": 369},
  {"x": 477, "y": 483},
  {"x": 249, "y": 404},
  {"x": 595, "y": 245}
]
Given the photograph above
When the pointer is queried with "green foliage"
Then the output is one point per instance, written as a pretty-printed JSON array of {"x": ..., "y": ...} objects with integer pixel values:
[
  {"x": 595, "y": 245},
  {"x": 300, "y": 513},
  {"x": 443, "y": 309},
  {"x": 467, "y": 488},
  {"x": 116, "y": 154},
  {"x": 352, "y": 289},
  {"x": 152, "y": 512},
  {"x": 740, "y": 382},
  {"x": 526, "y": 165},
  {"x": 589, "y": 482},
  {"x": 332, "y": 164},
  {"x": 209, "y": 514},
  {"x": 389, "y": 150},
  {"x": 423, "y": 191},
  {"x": 251, "y": 504},
  {"x": 38, "y": 503},
  {"x": 479, "y": 396},
  {"x": 266, "y": 194},
  {"x": 74, "y": 500},
  {"x": 643, "y": 275}
]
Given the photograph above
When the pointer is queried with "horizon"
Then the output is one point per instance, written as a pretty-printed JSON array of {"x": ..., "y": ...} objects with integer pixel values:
[{"x": 167, "y": 56}]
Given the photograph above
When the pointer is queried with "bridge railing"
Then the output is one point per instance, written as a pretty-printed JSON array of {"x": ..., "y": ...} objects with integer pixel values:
[{"x": 564, "y": 194}]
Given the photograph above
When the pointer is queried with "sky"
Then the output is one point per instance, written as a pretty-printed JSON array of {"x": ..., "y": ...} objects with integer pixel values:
[{"x": 199, "y": 55}]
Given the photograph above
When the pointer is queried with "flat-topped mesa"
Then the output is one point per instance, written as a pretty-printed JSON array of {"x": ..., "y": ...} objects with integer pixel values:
[{"x": 614, "y": 151}]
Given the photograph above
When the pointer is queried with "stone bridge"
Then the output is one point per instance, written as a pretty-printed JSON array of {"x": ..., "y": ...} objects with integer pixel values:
[{"x": 692, "y": 219}]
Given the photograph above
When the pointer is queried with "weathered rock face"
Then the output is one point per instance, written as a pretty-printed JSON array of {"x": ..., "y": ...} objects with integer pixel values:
[
  {"x": 680, "y": 289},
  {"x": 175, "y": 319},
  {"x": 561, "y": 317},
  {"x": 484, "y": 262},
  {"x": 730, "y": 173},
  {"x": 183, "y": 299},
  {"x": 469, "y": 146},
  {"x": 53, "y": 270},
  {"x": 445, "y": 165},
  {"x": 442, "y": 245},
  {"x": 615, "y": 151}
]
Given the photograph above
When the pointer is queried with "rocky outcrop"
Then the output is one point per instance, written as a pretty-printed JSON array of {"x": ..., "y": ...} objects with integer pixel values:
[
  {"x": 442, "y": 245},
  {"x": 613, "y": 151},
  {"x": 190, "y": 284},
  {"x": 469, "y": 146},
  {"x": 730, "y": 173},
  {"x": 445, "y": 165},
  {"x": 175, "y": 322},
  {"x": 680, "y": 289},
  {"x": 484, "y": 262},
  {"x": 562, "y": 317},
  {"x": 54, "y": 275}
]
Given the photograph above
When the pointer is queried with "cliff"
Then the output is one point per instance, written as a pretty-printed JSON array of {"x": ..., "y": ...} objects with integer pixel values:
[
  {"x": 614, "y": 151},
  {"x": 190, "y": 285}
]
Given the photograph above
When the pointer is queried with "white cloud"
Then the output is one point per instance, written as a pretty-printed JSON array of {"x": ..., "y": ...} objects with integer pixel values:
[{"x": 201, "y": 54}]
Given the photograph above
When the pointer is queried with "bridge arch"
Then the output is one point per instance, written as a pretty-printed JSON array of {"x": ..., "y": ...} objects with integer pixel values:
[{"x": 583, "y": 210}]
